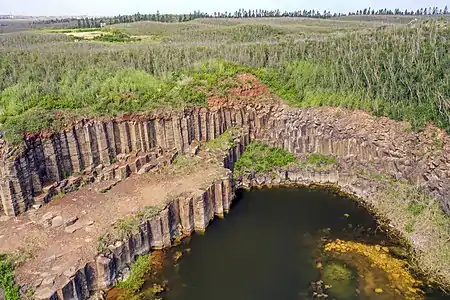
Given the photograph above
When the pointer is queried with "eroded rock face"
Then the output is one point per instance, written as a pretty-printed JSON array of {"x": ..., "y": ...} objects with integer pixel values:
[{"x": 90, "y": 147}]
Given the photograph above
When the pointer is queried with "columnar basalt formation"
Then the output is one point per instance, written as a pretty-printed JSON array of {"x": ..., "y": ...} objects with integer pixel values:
[
  {"x": 182, "y": 216},
  {"x": 44, "y": 162},
  {"x": 96, "y": 150},
  {"x": 377, "y": 143}
]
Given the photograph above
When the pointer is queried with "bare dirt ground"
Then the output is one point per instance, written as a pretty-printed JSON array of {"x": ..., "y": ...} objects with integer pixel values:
[
  {"x": 54, "y": 251},
  {"x": 248, "y": 90}
]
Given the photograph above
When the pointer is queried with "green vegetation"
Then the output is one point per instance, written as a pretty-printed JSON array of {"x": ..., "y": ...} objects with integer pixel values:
[
  {"x": 337, "y": 271},
  {"x": 29, "y": 108},
  {"x": 375, "y": 71},
  {"x": 395, "y": 70},
  {"x": 138, "y": 271},
  {"x": 318, "y": 161},
  {"x": 115, "y": 36},
  {"x": 185, "y": 161},
  {"x": 260, "y": 157},
  {"x": 225, "y": 141},
  {"x": 143, "y": 269},
  {"x": 7, "y": 282},
  {"x": 422, "y": 222},
  {"x": 126, "y": 227}
]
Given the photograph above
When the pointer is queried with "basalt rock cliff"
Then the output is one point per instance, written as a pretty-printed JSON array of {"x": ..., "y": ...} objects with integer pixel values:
[{"x": 29, "y": 174}]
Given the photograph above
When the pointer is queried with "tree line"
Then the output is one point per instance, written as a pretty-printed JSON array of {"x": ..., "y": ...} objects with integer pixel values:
[{"x": 90, "y": 22}]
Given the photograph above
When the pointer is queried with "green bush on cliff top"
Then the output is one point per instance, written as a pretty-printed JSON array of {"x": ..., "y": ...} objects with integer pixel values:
[{"x": 260, "y": 157}]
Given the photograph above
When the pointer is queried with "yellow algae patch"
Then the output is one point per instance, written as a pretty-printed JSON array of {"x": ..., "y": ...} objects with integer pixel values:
[{"x": 396, "y": 270}]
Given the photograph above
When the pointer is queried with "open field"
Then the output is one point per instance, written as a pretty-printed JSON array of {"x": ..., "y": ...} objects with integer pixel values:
[
  {"x": 17, "y": 25},
  {"x": 383, "y": 66}
]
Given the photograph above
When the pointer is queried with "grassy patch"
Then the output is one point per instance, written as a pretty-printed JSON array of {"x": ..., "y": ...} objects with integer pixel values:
[
  {"x": 115, "y": 36},
  {"x": 185, "y": 161},
  {"x": 7, "y": 281},
  {"x": 138, "y": 271},
  {"x": 318, "y": 161},
  {"x": 332, "y": 81},
  {"x": 356, "y": 68},
  {"x": 415, "y": 208},
  {"x": 423, "y": 223},
  {"x": 225, "y": 141},
  {"x": 260, "y": 157},
  {"x": 31, "y": 107},
  {"x": 126, "y": 227}
]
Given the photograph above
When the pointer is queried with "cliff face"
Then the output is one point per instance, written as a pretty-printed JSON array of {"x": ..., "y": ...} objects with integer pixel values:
[
  {"x": 26, "y": 178},
  {"x": 423, "y": 158}
]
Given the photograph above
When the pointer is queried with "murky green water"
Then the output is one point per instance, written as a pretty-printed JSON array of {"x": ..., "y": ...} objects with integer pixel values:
[{"x": 271, "y": 247}]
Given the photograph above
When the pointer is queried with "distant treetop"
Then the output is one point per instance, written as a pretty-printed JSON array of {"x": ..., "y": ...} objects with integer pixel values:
[{"x": 89, "y": 22}]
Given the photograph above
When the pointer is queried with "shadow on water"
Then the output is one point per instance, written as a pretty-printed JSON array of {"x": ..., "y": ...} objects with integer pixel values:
[{"x": 271, "y": 246}]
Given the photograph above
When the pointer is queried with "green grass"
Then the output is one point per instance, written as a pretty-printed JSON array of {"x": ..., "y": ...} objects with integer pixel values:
[
  {"x": 384, "y": 71},
  {"x": 71, "y": 30},
  {"x": 320, "y": 160},
  {"x": 125, "y": 227},
  {"x": 415, "y": 208},
  {"x": 260, "y": 157},
  {"x": 225, "y": 141},
  {"x": 347, "y": 82},
  {"x": 7, "y": 281},
  {"x": 185, "y": 161},
  {"x": 115, "y": 36},
  {"x": 138, "y": 271},
  {"x": 30, "y": 107}
]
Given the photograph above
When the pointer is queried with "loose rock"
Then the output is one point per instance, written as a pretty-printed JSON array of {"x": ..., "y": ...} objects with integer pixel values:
[
  {"x": 47, "y": 218},
  {"x": 71, "y": 221},
  {"x": 48, "y": 281},
  {"x": 57, "y": 221}
]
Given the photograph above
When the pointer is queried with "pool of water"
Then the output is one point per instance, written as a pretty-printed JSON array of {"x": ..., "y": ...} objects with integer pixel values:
[{"x": 271, "y": 246}]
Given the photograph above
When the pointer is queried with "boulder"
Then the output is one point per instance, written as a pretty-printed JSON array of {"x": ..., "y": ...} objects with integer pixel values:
[
  {"x": 57, "y": 221},
  {"x": 147, "y": 167}
]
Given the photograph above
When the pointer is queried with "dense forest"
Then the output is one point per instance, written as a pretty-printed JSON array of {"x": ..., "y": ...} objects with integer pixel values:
[{"x": 390, "y": 68}]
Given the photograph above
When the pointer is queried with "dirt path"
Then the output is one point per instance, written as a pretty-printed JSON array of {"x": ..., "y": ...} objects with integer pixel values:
[{"x": 56, "y": 252}]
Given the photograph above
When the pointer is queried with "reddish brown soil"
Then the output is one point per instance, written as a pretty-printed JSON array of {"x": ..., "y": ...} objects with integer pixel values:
[{"x": 248, "y": 90}]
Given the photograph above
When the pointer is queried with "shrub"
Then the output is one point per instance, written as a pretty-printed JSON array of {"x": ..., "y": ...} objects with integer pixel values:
[
  {"x": 138, "y": 271},
  {"x": 7, "y": 283},
  {"x": 260, "y": 157}
]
